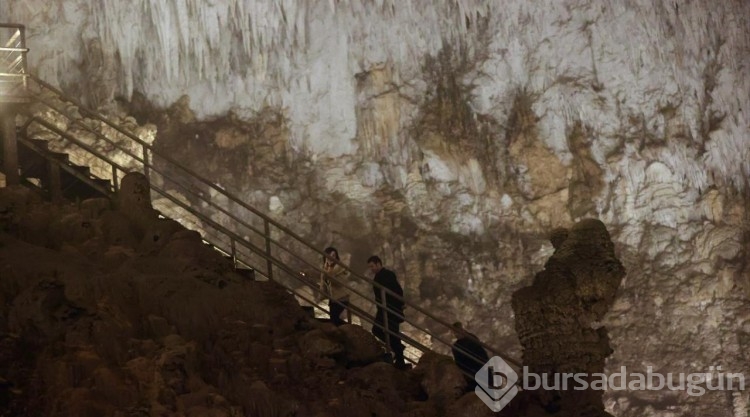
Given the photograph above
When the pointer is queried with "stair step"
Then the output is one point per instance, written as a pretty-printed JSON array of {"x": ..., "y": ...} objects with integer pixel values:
[
  {"x": 59, "y": 156},
  {"x": 246, "y": 273},
  {"x": 32, "y": 158},
  {"x": 84, "y": 170},
  {"x": 68, "y": 181},
  {"x": 34, "y": 169},
  {"x": 30, "y": 161},
  {"x": 105, "y": 184},
  {"x": 81, "y": 190},
  {"x": 40, "y": 144},
  {"x": 69, "y": 178}
]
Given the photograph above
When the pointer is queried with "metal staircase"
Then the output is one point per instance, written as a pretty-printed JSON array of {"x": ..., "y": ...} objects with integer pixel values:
[{"x": 255, "y": 242}]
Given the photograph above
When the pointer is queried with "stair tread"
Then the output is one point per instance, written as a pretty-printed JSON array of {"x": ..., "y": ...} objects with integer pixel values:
[
  {"x": 81, "y": 168},
  {"x": 34, "y": 170},
  {"x": 59, "y": 155},
  {"x": 31, "y": 163},
  {"x": 81, "y": 190},
  {"x": 106, "y": 183},
  {"x": 39, "y": 143},
  {"x": 68, "y": 178},
  {"x": 246, "y": 273}
]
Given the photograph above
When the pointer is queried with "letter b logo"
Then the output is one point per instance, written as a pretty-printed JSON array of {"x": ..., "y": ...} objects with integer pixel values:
[{"x": 496, "y": 384}]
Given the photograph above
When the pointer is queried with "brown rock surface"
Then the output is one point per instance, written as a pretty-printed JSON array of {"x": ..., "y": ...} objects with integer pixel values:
[{"x": 441, "y": 379}]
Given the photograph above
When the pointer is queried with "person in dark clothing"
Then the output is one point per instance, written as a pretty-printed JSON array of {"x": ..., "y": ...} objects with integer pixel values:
[
  {"x": 468, "y": 353},
  {"x": 392, "y": 318}
]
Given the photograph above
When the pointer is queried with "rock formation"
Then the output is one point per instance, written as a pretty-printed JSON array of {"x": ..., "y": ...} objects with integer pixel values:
[{"x": 558, "y": 316}]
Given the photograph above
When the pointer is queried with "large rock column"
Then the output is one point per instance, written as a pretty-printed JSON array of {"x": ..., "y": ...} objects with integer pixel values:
[{"x": 557, "y": 316}]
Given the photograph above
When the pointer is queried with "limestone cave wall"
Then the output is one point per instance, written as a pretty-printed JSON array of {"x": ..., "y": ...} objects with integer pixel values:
[{"x": 452, "y": 138}]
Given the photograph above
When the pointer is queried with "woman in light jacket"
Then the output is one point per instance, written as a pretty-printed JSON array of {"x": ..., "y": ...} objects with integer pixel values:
[{"x": 338, "y": 295}]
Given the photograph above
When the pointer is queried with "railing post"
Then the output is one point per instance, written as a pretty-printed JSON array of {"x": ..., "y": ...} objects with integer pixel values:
[
  {"x": 234, "y": 253},
  {"x": 10, "y": 144},
  {"x": 267, "y": 232},
  {"x": 22, "y": 34},
  {"x": 115, "y": 180}
]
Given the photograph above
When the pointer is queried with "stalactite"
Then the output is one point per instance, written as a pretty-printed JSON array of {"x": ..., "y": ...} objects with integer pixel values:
[{"x": 166, "y": 50}]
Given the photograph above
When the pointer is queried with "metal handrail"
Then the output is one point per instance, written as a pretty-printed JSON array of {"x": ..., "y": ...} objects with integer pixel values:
[
  {"x": 193, "y": 174},
  {"x": 7, "y": 49},
  {"x": 267, "y": 220},
  {"x": 163, "y": 174}
]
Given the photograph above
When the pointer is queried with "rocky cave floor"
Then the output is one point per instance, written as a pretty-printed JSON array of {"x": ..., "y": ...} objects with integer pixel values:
[{"x": 106, "y": 314}]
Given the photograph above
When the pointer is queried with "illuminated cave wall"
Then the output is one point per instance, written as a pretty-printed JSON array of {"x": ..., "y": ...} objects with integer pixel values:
[{"x": 451, "y": 139}]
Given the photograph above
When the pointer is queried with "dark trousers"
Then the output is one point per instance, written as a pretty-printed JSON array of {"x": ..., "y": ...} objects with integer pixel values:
[
  {"x": 335, "y": 308},
  {"x": 378, "y": 330}
]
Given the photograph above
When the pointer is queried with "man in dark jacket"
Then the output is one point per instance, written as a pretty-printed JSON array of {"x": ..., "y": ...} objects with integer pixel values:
[
  {"x": 468, "y": 353},
  {"x": 395, "y": 305}
]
